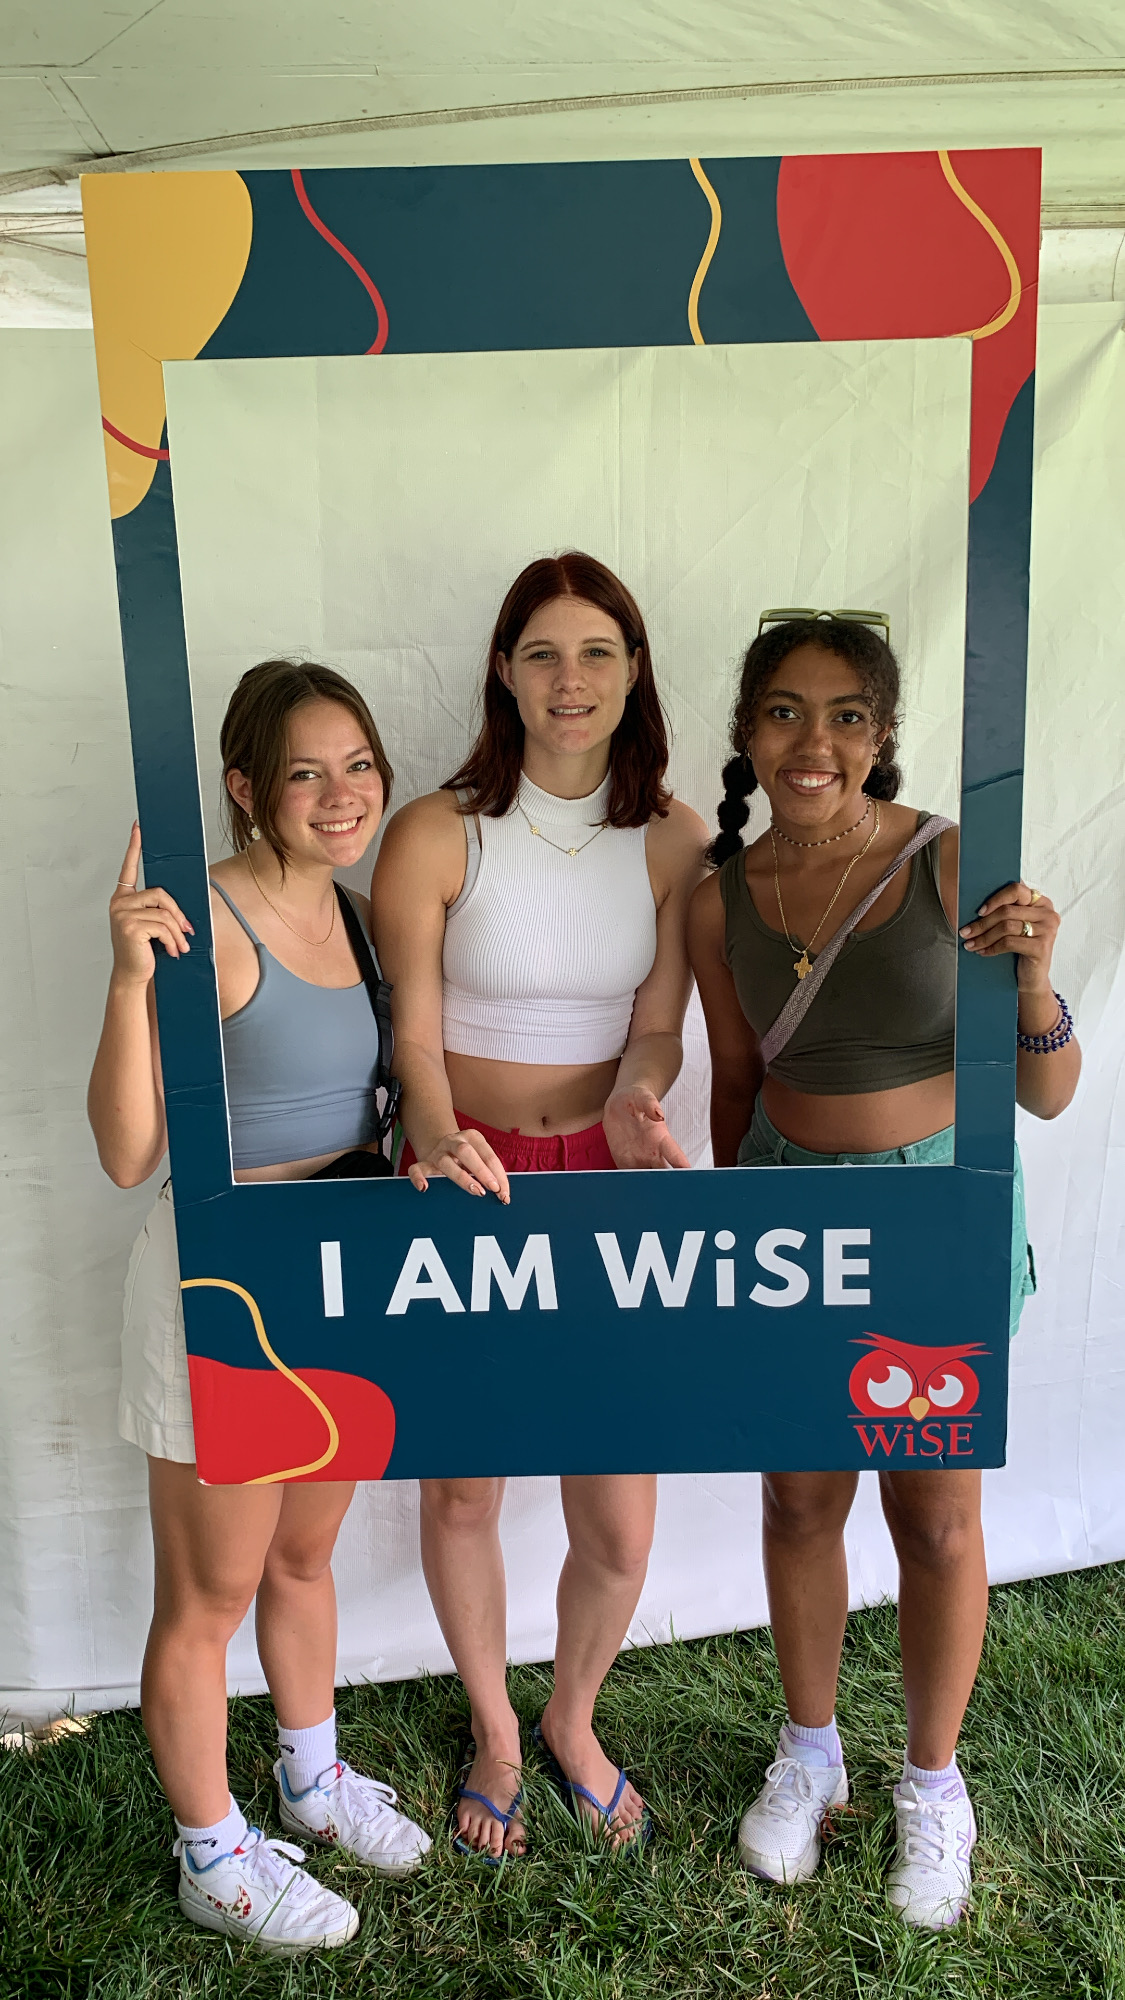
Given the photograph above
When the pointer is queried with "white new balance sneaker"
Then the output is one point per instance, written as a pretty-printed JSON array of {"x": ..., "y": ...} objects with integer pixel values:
[
  {"x": 258, "y": 1895},
  {"x": 356, "y": 1814},
  {"x": 779, "y": 1837},
  {"x": 930, "y": 1881}
]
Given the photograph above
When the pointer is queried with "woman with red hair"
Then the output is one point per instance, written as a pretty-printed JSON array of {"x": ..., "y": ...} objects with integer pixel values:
[{"x": 531, "y": 917}]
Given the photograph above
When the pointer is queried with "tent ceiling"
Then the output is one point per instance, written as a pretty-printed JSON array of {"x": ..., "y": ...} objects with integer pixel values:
[{"x": 177, "y": 82}]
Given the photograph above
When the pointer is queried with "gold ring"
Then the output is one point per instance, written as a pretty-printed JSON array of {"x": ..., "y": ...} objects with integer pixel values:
[
  {"x": 1027, "y": 930},
  {"x": 1035, "y": 895}
]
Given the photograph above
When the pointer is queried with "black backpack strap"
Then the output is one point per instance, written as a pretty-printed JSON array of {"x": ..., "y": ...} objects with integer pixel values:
[{"x": 379, "y": 994}]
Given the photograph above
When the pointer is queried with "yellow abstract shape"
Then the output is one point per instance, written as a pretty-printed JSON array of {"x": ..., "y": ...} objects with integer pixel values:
[
  {"x": 275, "y": 1361},
  {"x": 709, "y": 252},
  {"x": 166, "y": 256},
  {"x": 1015, "y": 283}
]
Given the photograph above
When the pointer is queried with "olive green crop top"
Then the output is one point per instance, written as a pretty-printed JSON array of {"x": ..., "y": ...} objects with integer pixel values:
[{"x": 884, "y": 1015}]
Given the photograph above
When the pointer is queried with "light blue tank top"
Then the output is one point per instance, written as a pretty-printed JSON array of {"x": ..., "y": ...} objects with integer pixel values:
[{"x": 301, "y": 1063}]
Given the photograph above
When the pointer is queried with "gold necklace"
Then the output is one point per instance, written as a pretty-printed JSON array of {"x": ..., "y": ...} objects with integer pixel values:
[
  {"x": 803, "y": 965},
  {"x": 788, "y": 837},
  {"x": 315, "y": 942},
  {"x": 572, "y": 851}
]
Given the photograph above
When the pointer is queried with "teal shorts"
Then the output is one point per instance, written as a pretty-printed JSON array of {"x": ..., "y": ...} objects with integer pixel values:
[{"x": 764, "y": 1146}]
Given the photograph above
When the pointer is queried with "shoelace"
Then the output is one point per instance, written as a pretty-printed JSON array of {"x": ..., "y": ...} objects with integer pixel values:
[
  {"x": 262, "y": 1861},
  {"x": 792, "y": 1787},
  {"x": 356, "y": 1792},
  {"x": 933, "y": 1843}
]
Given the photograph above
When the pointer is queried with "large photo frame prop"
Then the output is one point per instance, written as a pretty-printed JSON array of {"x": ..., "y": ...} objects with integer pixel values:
[{"x": 676, "y": 1322}]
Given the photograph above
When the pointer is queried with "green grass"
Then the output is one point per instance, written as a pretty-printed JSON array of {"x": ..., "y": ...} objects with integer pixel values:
[{"x": 87, "y": 1879}]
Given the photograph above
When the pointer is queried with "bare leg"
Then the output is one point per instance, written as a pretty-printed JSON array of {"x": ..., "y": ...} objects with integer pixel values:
[
  {"x": 934, "y": 1519},
  {"x": 610, "y": 1521},
  {"x": 803, "y": 1518},
  {"x": 464, "y": 1568},
  {"x": 295, "y": 1612},
  {"x": 210, "y": 1544}
]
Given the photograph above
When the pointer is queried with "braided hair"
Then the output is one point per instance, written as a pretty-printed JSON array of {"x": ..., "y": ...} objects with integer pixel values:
[{"x": 876, "y": 666}]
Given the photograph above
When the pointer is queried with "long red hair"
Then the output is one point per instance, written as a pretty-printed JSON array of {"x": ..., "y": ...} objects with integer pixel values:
[{"x": 638, "y": 754}]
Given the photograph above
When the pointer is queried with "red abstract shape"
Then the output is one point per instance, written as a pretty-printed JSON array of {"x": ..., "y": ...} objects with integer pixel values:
[
  {"x": 351, "y": 261},
  {"x": 897, "y": 1378},
  {"x": 251, "y": 1422},
  {"x": 881, "y": 246},
  {"x": 142, "y": 450}
]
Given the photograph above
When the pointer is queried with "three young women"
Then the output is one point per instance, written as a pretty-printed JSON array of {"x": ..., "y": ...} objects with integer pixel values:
[
  {"x": 306, "y": 780},
  {"x": 866, "y": 1078},
  {"x": 531, "y": 916}
]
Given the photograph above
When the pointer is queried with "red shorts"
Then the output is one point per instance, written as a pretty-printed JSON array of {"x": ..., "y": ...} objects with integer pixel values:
[{"x": 561, "y": 1152}]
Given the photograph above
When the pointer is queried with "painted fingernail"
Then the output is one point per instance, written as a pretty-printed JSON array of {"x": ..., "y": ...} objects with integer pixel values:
[{"x": 966, "y": 931}]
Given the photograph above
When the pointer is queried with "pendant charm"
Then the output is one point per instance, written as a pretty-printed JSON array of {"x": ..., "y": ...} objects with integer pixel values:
[
  {"x": 572, "y": 850},
  {"x": 535, "y": 829},
  {"x": 802, "y": 966}
]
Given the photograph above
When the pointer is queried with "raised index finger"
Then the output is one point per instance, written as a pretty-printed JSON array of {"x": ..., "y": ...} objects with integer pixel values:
[{"x": 131, "y": 864}]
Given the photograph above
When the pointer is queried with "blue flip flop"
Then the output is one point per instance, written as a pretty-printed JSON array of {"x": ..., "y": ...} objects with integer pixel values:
[
  {"x": 461, "y": 1846},
  {"x": 572, "y": 1792}
]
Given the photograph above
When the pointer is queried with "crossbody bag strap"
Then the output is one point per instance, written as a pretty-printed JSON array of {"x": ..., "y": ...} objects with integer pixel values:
[
  {"x": 806, "y": 990},
  {"x": 379, "y": 994}
]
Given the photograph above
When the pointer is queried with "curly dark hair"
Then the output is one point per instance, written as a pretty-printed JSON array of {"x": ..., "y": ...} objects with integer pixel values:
[{"x": 877, "y": 667}]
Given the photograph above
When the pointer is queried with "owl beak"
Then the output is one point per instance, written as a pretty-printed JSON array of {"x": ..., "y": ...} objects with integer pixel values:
[{"x": 918, "y": 1406}]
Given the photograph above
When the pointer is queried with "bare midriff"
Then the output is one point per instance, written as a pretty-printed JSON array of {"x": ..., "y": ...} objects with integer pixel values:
[
  {"x": 287, "y": 1170},
  {"x": 872, "y": 1121},
  {"x": 538, "y": 1099}
]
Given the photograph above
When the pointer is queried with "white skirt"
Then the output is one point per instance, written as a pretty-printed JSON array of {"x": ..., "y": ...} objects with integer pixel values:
[{"x": 154, "y": 1410}]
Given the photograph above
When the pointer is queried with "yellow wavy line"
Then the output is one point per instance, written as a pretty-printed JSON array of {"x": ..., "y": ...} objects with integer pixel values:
[
  {"x": 709, "y": 252},
  {"x": 275, "y": 1361},
  {"x": 1009, "y": 312}
]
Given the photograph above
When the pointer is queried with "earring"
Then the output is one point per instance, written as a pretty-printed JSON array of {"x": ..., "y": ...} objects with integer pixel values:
[{"x": 254, "y": 834}]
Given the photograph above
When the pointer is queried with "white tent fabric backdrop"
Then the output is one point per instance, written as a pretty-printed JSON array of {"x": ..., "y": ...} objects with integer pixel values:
[{"x": 75, "y": 1563}]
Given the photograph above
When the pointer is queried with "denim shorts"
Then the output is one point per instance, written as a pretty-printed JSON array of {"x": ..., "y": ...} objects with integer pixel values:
[{"x": 764, "y": 1146}]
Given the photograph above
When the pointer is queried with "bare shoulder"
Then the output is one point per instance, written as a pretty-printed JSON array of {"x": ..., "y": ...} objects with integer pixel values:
[
  {"x": 706, "y": 922},
  {"x": 423, "y": 851},
  {"x": 432, "y": 822},
  {"x": 680, "y": 837},
  {"x": 229, "y": 874}
]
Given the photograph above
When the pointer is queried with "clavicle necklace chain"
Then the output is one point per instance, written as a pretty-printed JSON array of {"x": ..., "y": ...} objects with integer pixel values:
[
  {"x": 315, "y": 942},
  {"x": 803, "y": 966},
  {"x": 827, "y": 842},
  {"x": 572, "y": 851}
]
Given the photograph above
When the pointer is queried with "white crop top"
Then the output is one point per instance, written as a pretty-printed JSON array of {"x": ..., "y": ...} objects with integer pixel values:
[{"x": 544, "y": 950}]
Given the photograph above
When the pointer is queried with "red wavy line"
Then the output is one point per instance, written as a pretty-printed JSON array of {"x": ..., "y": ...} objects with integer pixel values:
[
  {"x": 353, "y": 263},
  {"x": 142, "y": 450}
]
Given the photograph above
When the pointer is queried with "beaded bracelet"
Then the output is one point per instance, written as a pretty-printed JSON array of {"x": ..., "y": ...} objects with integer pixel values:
[{"x": 1055, "y": 1038}]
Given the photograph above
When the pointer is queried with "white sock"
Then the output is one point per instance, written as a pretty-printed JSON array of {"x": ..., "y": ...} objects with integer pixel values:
[
  {"x": 949, "y": 1781},
  {"x": 306, "y": 1753},
  {"x": 802, "y": 1741},
  {"x": 207, "y": 1843}
]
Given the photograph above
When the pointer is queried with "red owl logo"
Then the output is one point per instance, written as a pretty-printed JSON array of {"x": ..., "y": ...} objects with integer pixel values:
[{"x": 896, "y": 1379}]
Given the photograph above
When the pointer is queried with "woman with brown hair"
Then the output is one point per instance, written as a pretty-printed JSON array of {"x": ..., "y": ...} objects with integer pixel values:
[
  {"x": 305, "y": 782},
  {"x": 864, "y": 1078},
  {"x": 531, "y": 915}
]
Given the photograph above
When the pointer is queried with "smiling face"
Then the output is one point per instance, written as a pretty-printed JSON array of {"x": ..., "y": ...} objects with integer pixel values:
[
  {"x": 570, "y": 672},
  {"x": 332, "y": 795},
  {"x": 814, "y": 740}
]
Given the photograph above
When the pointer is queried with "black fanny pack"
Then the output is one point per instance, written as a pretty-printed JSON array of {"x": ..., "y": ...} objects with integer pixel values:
[{"x": 360, "y": 1163}]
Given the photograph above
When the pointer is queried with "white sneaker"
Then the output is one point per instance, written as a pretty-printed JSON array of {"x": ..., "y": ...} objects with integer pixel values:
[
  {"x": 356, "y": 1814},
  {"x": 256, "y": 1894},
  {"x": 930, "y": 1881},
  {"x": 779, "y": 1837}
]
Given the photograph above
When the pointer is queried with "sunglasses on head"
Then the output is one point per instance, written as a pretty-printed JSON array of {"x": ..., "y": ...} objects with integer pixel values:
[{"x": 784, "y": 617}]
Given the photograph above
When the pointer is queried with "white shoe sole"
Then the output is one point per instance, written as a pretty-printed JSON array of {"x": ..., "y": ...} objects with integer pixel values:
[
  {"x": 214, "y": 1920},
  {"x": 786, "y": 1870},
  {"x": 396, "y": 1867}
]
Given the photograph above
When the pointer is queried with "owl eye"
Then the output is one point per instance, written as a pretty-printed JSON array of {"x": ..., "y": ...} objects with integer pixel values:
[
  {"x": 949, "y": 1389},
  {"x": 892, "y": 1393}
]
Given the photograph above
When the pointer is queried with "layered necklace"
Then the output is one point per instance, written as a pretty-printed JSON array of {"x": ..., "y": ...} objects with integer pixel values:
[
  {"x": 802, "y": 966},
  {"x": 316, "y": 942}
]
